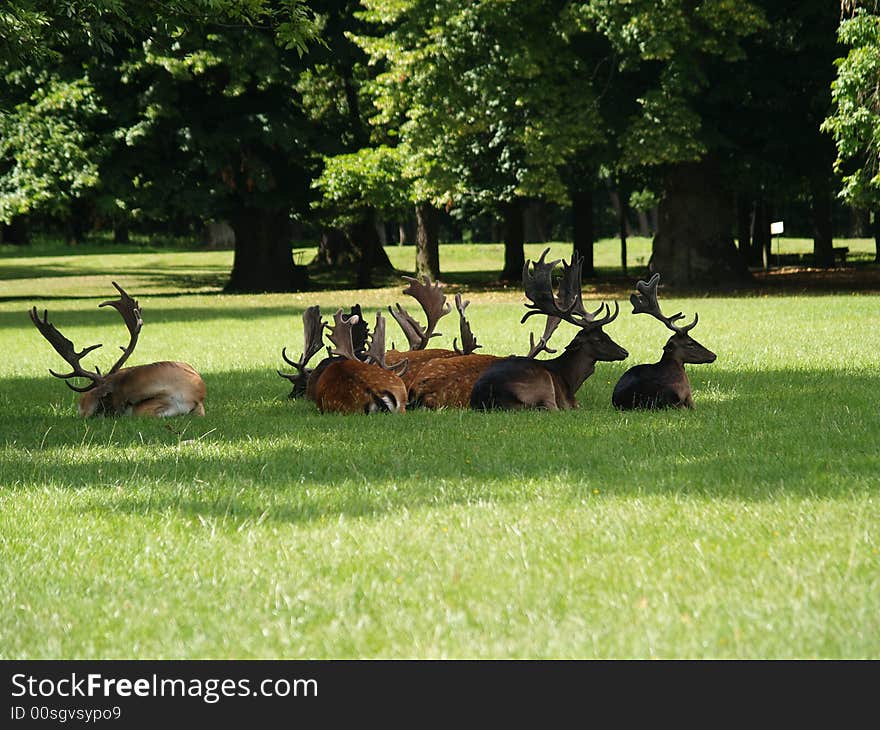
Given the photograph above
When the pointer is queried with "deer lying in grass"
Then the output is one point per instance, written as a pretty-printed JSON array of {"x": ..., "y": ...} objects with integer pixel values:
[
  {"x": 665, "y": 383},
  {"x": 433, "y": 302},
  {"x": 157, "y": 389},
  {"x": 352, "y": 385},
  {"x": 448, "y": 383},
  {"x": 524, "y": 382},
  {"x": 305, "y": 378}
]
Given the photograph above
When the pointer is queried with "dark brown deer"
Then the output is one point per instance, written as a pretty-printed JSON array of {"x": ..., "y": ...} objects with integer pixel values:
[
  {"x": 433, "y": 302},
  {"x": 665, "y": 383},
  {"x": 157, "y": 389},
  {"x": 515, "y": 383},
  {"x": 352, "y": 385}
]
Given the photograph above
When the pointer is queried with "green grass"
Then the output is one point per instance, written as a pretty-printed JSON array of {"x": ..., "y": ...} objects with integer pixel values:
[{"x": 748, "y": 528}]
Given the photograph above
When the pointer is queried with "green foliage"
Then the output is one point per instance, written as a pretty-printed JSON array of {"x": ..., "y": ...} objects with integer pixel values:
[
  {"x": 855, "y": 121},
  {"x": 49, "y": 151},
  {"x": 668, "y": 54},
  {"x": 372, "y": 177},
  {"x": 480, "y": 121}
]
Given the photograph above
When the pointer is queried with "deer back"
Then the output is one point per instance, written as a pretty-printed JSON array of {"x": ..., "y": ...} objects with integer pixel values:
[
  {"x": 158, "y": 389},
  {"x": 447, "y": 382},
  {"x": 516, "y": 383},
  {"x": 417, "y": 360},
  {"x": 353, "y": 386}
]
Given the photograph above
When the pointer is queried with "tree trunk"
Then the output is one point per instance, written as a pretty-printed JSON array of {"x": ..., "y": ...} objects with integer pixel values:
[
  {"x": 823, "y": 242},
  {"x": 427, "y": 242},
  {"x": 877, "y": 236},
  {"x": 584, "y": 229},
  {"x": 622, "y": 214},
  {"x": 16, "y": 232},
  {"x": 371, "y": 255},
  {"x": 535, "y": 222},
  {"x": 694, "y": 245},
  {"x": 744, "y": 228},
  {"x": 262, "y": 260},
  {"x": 334, "y": 249},
  {"x": 121, "y": 232},
  {"x": 761, "y": 238},
  {"x": 514, "y": 238}
]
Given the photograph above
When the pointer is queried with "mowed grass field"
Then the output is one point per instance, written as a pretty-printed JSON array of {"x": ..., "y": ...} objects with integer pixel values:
[{"x": 747, "y": 528}]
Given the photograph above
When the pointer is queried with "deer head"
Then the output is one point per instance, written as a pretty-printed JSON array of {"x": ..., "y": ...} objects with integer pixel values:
[
  {"x": 355, "y": 384},
  {"x": 681, "y": 346},
  {"x": 97, "y": 395},
  {"x": 313, "y": 343},
  {"x": 567, "y": 305}
]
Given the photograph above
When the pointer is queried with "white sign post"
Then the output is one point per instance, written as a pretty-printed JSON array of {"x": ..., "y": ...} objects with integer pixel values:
[{"x": 777, "y": 228}]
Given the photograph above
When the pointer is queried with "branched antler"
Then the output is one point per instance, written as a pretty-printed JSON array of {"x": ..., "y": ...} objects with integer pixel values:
[
  {"x": 313, "y": 336},
  {"x": 468, "y": 341},
  {"x": 566, "y": 305},
  {"x": 645, "y": 302},
  {"x": 541, "y": 346},
  {"x": 376, "y": 351},
  {"x": 131, "y": 315},
  {"x": 433, "y": 302},
  {"x": 340, "y": 335},
  {"x": 65, "y": 348}
]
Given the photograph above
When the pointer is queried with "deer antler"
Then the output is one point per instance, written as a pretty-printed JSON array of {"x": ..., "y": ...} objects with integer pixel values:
[
  {"x": 541, "y": 345},
  {"x": 65, "y": 348},
  {"x": 313, "y": 335},
  {"x": 645, "y": 302},
  {"x": 468, "y": 341},
  {"x": 376, "y": 351},
  {"x": 340, "y": 335},
  {"x": 538, "y": 286},
  {"x": 566, "y": 305},
  {"x": 131, "y": 315},
  {"x": 434, "y": 304}
]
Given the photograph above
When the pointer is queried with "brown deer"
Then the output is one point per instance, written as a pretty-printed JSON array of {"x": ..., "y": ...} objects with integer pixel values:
[
  {"x": 305, "y": 378},
  {"x": 157, "y": 389},
  {"x": 665, "y": 383},
  {"x": 352, "y": 385},
  {"x": 515, "y": 383},
  {"x": 434, "y": 305}
]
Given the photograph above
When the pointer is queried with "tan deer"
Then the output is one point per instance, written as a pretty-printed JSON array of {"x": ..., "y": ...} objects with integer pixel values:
[
  {"x": 157, "y": 389},
  {"x": 352, "y": 385}
]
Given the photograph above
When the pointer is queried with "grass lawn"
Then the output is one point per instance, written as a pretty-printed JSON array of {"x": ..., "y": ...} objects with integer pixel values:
[{"x": 747, "y": 528}]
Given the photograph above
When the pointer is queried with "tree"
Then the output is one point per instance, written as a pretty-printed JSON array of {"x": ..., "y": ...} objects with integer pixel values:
[
  {"x": 481, "y": 95},
  {"x": 680, "y": 55},
  {"x": 50, "y": 150},
  {"x": 212, "y": 77},
  {"x": 355, "y": 188},
  {"x": 855, "y": 119}
]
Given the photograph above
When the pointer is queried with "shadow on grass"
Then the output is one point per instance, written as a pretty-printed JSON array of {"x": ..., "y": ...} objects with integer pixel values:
[{"x": 259, "y": 456}]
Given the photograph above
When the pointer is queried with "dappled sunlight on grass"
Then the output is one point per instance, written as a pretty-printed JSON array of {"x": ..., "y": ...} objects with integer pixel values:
[{"x": 746, "y": 528}]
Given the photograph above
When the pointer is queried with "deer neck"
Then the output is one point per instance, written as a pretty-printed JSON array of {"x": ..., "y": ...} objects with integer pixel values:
[
  {"x": 670, "y": 364},
  {"x": 573, "y": 367}
]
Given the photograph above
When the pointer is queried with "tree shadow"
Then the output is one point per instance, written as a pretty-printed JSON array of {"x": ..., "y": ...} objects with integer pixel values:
[{"x": 259, "y": 456}]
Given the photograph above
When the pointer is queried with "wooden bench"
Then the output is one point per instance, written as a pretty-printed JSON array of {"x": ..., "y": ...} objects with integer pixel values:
[{"x": 840, "y": 253}]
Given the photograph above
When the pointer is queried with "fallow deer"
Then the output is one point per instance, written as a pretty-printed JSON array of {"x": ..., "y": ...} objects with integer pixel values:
[
  {"x": 434, "y": 305},
  {"x": 352, "y": 385},
  {"x": 665, "y": 383},
  {"x": 525, "y": 382},
  {"x": 157, "y": 389},
  {"x": 305, "y": 378}
]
